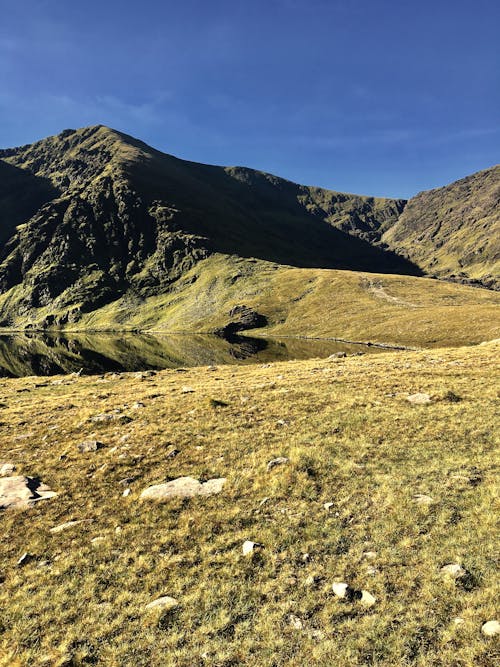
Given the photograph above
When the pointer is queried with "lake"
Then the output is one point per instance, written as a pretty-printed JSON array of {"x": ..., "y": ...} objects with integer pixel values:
[{"x": 35, "y": 353}]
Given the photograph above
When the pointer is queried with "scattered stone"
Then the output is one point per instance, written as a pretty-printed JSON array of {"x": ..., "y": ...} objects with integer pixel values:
[
  {"x": 90, "y": 446},
  {"x": 419, "y": 398},
  {"x": 490, "y": 628},
  {"x": 281, "y": 460},
  {"x": 454, "y": 570},
  {"x": 126, "y": 493},
  {"x": 367, "y": 599},
  {"x": 249, "y": 547},
  {"x": 183, "y": 487},
  {"x": 126, "y": 481},
  {"x": 98, "y": 539},
  {"x": 6, "y": 469},
  {"x": 340, "y": 589},
  {"x": 458, "y": 621},
  {"x": 281, "y": 422},
  {"x": 138, "y": 405},
  {"x": 328, "y": 506},
  {"x": 68, "y": 524},
  {"x": 165, "y": 603},
  {"x": 343, "y": 590},
  {"x": 295, "y": 622},
  {"x": 111, "y": 417},
  {"x": 312, "y": 581},
  {"x": 422, "y": 499},
  {"x": 338, "y": 355},
  {"x": 25, "y": 559},
  {"x": 22, "y": 492},
  {"x": 187, "y": 390}
]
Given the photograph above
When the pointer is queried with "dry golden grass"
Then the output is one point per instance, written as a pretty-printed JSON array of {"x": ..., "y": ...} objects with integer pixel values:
[{"x": 352, "y": 439}]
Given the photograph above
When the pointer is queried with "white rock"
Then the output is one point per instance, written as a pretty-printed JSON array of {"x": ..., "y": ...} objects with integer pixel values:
[
  {"x": 7, "y": 469},
  {"x": 249, "y": 547},
  {"x": 422, "y": 499},
  {"x": 340, "y": 589},
  {"x": 64, "y": 526},
  {"x": 281, "y": 460},
  {"x": 327, "y": 506},
  {"x": 453, "y": 570},
  {"x": 458, "y": 621},
  {"x": 183, "y": 487},
  {"x": 166, "y": 603},
  {"x": 419, "y": 398},
  {"x": 491, "y": 628},
  {"x": 22, "y": 492},
  {"x": 126, "y": 493},
  {"x": 367, "y": 599},
  {"x": 187, "y": 390},
  {"x": 295, "y": 622}
]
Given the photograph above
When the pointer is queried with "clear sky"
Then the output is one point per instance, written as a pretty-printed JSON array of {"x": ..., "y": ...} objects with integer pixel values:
[{"x": 382, "y": 97}]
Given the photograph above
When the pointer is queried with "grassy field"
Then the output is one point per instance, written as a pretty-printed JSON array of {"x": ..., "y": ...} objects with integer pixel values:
[{"x": 351, "y": 438}]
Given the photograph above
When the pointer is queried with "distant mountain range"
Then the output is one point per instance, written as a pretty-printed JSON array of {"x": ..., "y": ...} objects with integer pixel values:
[{"x": 91, "y": 217}]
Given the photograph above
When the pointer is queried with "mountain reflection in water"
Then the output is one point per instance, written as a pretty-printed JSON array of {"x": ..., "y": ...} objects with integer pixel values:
[{"x": 37, "y": 353}]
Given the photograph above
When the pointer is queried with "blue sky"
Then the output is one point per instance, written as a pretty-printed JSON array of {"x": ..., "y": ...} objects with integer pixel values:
[{"x": 370, "y": 96}]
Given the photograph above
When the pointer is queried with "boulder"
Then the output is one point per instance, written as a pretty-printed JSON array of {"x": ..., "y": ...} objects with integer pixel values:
[
  {"x": 165, "y": 603},
  {"x": 22, "y": 492},
  {"x": 183, "y": 487}
]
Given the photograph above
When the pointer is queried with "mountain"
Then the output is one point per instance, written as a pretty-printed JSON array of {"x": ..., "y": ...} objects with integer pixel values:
[
  {"x": 454, "y": 231},
  {"x": 99, "y": 229}
]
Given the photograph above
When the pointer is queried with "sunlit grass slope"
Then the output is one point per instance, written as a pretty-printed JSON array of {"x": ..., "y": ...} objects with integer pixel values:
[
  {"x": 314, "y": 302},
  {"x": 351, "y": 439}
]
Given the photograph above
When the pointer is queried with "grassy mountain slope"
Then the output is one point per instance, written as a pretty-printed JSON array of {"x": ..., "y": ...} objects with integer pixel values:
[
  {"x": 454, "y": 231},
  {"x": 126, "y": 218},
  {"x": 351, "y": 439},
  {"x": 313, "y": 302}
]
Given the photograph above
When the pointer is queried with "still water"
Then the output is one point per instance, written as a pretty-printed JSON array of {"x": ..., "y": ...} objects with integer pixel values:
[{"x": 50, "y": 354}]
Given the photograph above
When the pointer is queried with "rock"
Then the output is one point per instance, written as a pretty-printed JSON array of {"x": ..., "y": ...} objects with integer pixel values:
[
  {"x": 312, "y": 581},
  {"x": 22, "y": 492},
  {"x": 338, "y": 355},
  {"x": 370, "y": 555},
  {"x": 328, "y": 506},
  {"x": 68, "y": 524},
  {"x": 25, "y": 559},
  {"x": 281, "y": 460},
  {"x": 340, "y": 589},
  {"x": 458, "y": 621},
  {"x": 367, "y": 599},
  {"x": 454, "y": 570},
  {"x": 138, "y": 405},
  {"x": 422, "y": 499},
  {"x": 98, "y": 539},
  {"x": 295, "y": 622},
  {"x": 165, "y": 603},
  {"x": 126, "y": 481},
  {"x": 172, "y": 453},
  {"x": 183, "y": 487},
  {"x": 6, "y": 469},
  {"x": 249, "y": 547},
  {"x": 343, "y": 590},
  {"x": 90, "y": 446},
  {"x": 372, "y": 571},
  {"x": 126, "y": 493},
  {"x": 187, "y": 390},
  {"x": 490, "y": 628},
  {"x": 419, "y": 398},
  {"x": 111, "y": 417}
]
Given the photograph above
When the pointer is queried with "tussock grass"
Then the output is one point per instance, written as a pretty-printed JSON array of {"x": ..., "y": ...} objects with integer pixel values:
[{"x": 351, "y": 439}]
